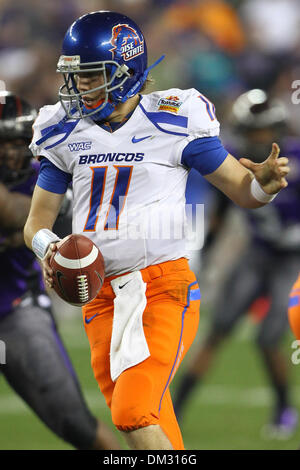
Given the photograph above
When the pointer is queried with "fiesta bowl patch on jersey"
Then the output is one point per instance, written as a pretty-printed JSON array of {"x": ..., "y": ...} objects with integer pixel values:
[
  {"x": 126, "y": 39},
  {"x": 78, "y": 267},
  {"x": 170, "y": 103}
]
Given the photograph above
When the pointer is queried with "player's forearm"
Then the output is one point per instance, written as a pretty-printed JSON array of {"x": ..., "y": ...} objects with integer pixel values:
[
  {"x": 44, "y": 210},
  {"x": 32, "y": 226},
  {"x": 235, "y": 182},
  {"x": 242, "y": 195},
  {"x": 14, "y": 209}
]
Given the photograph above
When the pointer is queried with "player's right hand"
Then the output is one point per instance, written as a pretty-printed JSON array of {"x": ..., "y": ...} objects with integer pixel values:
[{"x": 47, "y": 271}]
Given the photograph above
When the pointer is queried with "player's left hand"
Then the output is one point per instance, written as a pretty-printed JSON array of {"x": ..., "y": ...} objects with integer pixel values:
[{"x": 271, "y": 173}]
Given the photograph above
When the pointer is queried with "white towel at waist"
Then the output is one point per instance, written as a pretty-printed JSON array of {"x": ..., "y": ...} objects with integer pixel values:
[{"x": 128, "y": 343}]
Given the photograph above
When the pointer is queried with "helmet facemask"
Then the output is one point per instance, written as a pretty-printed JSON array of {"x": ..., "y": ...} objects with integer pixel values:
[
  {"x": 112, "y": 45},
  {"x": 114, "y": 77}
]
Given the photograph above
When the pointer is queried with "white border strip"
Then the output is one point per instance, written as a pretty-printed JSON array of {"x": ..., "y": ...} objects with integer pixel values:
[{"x": 77, "y": 263}]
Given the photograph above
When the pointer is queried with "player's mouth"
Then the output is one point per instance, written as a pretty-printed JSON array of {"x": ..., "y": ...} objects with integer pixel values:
[{"x": 92, "y": 102}]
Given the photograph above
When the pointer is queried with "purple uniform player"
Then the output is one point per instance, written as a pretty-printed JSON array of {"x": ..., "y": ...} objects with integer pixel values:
[
  {"x": 20, "y": 271},
  {"x": 269, "y": 265},
  {"x": 37, "y": 365},
  {"x": 277, "y": 227}
]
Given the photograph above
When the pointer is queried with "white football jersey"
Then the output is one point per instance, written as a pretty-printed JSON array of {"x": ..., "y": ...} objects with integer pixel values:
[{"x": 129, "y": 185}]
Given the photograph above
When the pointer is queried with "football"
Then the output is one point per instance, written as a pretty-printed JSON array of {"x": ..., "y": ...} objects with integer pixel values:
[{"x": 78, "y": 267}]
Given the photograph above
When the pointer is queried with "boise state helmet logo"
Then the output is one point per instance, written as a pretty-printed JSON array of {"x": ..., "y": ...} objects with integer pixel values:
[{"x": 126, "y": 42}]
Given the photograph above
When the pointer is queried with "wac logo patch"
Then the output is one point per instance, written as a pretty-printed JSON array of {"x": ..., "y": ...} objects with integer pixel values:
[
  {"x": 76, "y": 146},
  {"x": 171, "y": 103},
  {"x": 126, "y": 42}
]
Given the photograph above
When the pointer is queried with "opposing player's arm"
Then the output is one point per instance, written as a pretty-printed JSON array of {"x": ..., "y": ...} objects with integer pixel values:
[
  {"x": 14, "y": 208},
  {"x": 249, "y": 184},
  {"x": 44, "y": 209}
]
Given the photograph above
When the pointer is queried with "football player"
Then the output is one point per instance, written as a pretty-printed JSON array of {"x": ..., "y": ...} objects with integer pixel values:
[
  {"x": 128, "y": 155},
  {"x": 268, "y": 266},
  {"x": 37, "y": 365}
]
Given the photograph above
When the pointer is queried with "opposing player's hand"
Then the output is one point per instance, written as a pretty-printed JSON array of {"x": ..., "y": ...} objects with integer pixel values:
[
  {"x": 270, "y": 174},
  {"x": 47, "y": 271}
]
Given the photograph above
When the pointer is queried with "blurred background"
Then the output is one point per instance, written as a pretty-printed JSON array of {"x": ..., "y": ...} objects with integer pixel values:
[{"x": 222, "y": 48}]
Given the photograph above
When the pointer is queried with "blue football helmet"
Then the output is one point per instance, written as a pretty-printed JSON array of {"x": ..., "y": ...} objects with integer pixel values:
[{"x": 112, "y": 45}]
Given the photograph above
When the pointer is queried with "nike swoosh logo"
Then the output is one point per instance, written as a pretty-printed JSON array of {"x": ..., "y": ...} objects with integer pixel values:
[
  {"x": 88, "y": 320},
  {"x": 101, "y": 280},
  {"x": 121, "y": 287},
  {"x": 134, "y": 140}
]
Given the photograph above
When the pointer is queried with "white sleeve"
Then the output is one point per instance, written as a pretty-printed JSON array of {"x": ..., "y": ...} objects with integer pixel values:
[
  {"x": 202, "y": 121},
  {"x": 42, "y": 122}
]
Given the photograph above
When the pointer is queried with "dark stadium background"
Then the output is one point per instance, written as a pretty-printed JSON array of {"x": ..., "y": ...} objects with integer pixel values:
[{"x": 221, "y": 48}]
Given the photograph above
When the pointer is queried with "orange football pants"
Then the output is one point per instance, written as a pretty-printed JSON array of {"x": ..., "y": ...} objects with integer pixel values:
[
  {"x": 140, "y": 396},
  {"x": 294, "y": 308}
]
